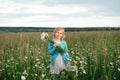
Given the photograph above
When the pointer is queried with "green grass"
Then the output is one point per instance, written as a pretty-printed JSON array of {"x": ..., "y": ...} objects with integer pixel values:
[{"x": 96, "y": 55}]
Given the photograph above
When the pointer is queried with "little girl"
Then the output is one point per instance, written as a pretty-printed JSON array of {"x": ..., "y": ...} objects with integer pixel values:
[{"x": 58, "y": 61}]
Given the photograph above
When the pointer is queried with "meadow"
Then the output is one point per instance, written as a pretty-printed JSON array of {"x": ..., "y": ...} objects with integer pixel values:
[{"x": 96, "y": 54}]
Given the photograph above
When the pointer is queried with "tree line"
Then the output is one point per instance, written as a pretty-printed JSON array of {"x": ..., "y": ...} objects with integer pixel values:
[{"x": 49, "y": 29}]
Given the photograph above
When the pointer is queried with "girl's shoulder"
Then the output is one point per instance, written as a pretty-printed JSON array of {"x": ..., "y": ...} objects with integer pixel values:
[{"x": 63, "y": 41}]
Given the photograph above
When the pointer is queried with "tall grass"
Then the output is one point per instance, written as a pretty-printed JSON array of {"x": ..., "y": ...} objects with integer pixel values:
[{"x": 96, "y": 55}]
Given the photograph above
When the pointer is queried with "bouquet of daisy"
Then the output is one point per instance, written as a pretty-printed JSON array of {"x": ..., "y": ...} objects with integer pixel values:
[{"x": 45, "y": 38}]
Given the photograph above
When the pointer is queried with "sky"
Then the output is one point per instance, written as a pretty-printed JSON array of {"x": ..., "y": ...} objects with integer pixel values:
[{"x": 64, "y": 13}]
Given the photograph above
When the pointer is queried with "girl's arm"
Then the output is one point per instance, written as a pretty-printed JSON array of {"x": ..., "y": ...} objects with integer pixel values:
[
  {"x": 66, "y": 56},
  {"x": 51, "y": 48},
  {"x": 66, "y": 48}
]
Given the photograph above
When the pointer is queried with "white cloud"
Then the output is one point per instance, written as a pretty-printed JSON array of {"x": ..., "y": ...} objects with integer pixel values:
[
  {"x": 78, "y": 22},
  {"x": 34, "y": 13}
]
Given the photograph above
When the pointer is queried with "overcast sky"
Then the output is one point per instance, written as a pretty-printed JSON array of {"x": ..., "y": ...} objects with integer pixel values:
[{"x": 65, "y": 13}]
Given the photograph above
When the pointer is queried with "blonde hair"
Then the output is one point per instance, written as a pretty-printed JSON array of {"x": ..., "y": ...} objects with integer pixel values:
[{"x": 57, "y": 29}]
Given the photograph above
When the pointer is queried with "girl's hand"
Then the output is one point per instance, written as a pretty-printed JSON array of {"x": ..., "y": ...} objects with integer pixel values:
[{"x": 55, "y": 45}]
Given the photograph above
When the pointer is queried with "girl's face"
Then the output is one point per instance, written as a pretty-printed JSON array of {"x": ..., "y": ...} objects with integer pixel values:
[{"x": 59, "y": 34}]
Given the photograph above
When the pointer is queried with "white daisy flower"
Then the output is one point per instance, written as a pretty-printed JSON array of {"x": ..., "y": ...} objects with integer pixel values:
[
  {"x": 44, "y": 36},
  {"x": 23, "y": 78},
  {"x": 118, "y": 69}
]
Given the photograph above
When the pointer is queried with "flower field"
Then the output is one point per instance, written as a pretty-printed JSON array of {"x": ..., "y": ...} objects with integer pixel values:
[{"x": 96, "y": 54}]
